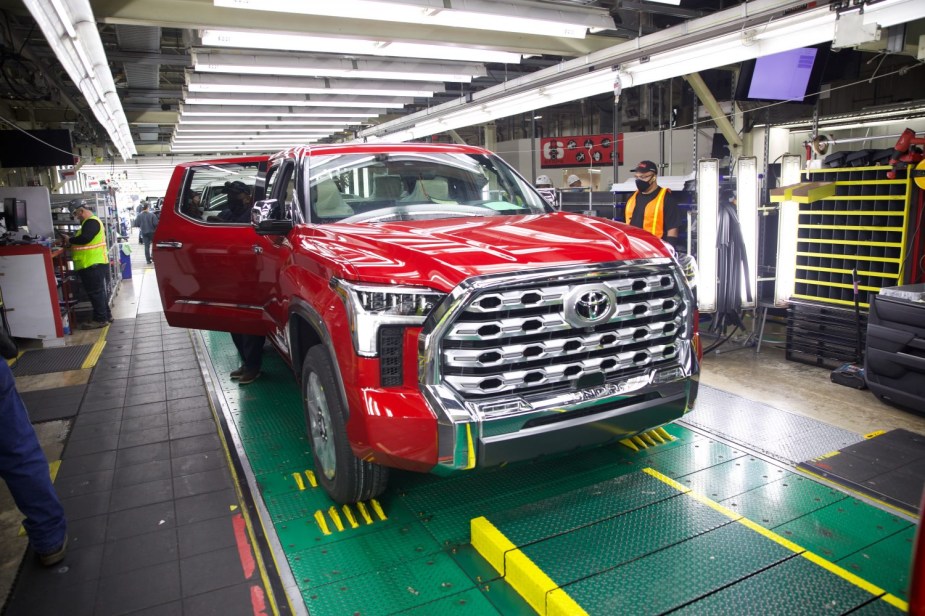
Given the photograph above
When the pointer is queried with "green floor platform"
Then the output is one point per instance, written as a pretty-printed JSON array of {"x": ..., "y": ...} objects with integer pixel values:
[{"x": 693, "y": 525}]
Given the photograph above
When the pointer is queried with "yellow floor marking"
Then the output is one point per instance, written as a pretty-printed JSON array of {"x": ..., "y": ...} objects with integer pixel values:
[
  {"x": 298, "y": 480},
  {"x": 335, "y": 517},
  {"x": 365, "y": 513},
  {"x": 629, "y": 443},
  {"x": 793, "y": 547},
  {"x": 311, "y": 479},
  {"x": 53, "y": 468},
  {"x": 94, "y": 354},
  {"x": 875, "y": 433},
  {"x": 322, "y": 523},
  {"x": 378, "y": 509},
  {"x": 519, "y": 571},
  {"x": 350, "y": 517}
]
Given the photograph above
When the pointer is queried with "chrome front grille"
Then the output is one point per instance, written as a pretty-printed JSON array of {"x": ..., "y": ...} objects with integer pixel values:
[{"x": 548, "y": 336}]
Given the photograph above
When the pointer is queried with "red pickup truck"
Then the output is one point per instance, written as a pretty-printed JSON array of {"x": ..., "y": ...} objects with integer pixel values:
[{"x": 437, "y": 313}]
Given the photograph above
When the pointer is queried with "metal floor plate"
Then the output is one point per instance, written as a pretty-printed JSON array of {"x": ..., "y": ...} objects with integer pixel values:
[{"x": 779, "y": 434}]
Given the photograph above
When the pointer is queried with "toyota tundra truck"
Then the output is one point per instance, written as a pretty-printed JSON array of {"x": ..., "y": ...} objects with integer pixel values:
[{"x": 437, "y": 313}]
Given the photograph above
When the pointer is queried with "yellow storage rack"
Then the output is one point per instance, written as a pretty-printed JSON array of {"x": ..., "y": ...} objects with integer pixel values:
[{"x": 863, "y": 225}]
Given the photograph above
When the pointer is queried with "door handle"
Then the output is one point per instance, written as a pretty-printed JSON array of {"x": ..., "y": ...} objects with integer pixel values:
[
  {"x": 257, "y": 249},
  {"x": 169, "y": 245}
]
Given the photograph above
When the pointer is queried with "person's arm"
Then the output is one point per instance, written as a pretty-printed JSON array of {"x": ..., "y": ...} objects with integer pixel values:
[
  {"x": 88, "y": 231},
  {"x": 673, "y": 221}
]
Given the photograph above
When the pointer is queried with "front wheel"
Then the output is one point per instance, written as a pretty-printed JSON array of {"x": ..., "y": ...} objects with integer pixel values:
[{"x": 346, "y": 478}]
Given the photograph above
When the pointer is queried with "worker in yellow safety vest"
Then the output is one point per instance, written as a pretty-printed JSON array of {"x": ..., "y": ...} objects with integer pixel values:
[
  {"x": 652, "y": 207},
  {"x": 91, "y": 262}
]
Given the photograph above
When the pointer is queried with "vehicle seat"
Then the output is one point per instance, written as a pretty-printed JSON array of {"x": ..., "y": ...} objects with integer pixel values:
[
  {"x": 386, "y": 187},
  {"x": 436, "y": 190},
  {"x": 330, "y": 203}
]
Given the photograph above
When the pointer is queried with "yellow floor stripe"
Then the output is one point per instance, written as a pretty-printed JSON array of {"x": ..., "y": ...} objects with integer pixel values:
[
  {"x": 94, "y": 355},
  {"x": 519, "y": 571},
  {"x": 793, "y": 547},
  {"x": 298, "y": 481}
]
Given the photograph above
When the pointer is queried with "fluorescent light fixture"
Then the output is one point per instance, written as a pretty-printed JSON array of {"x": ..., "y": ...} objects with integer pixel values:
[
  {"x": 368, "y": 47},
  {"x": 70, "y": 30},
  {"x": 788, "y": 220},
  {"x": 326, "y": 101},
  {"x": 349, "y": 68},
  {"x": 183, "y": 130},
  {"x": 232, "y": 147},
  {"x": 218, "y": 111},
  {"x": 269, "y": 84},
  {"x": 747, "y": 199},
  {"x": 571, "y": 22},
  {"x": 707, "y": 225},
  {"x": 246, "y": 122}
]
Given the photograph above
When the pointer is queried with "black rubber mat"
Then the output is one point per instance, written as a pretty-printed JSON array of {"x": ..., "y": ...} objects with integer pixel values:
[
  {"x": 45, "y": 361},
  {"x": 889, "y": 467},
  {"x": 49, "y": 404}
]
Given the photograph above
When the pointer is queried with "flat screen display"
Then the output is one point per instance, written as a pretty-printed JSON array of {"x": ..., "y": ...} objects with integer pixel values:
[
  {"x": 36, "y": 148},
  {"x": 794, "y": 75},
  {"x": 783, "y": 76}
]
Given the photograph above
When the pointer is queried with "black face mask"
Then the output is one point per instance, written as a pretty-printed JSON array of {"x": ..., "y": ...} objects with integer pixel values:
[{"x": 641, "y": 185}]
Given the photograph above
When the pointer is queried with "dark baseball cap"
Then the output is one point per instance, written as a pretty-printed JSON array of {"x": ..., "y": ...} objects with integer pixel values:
[
  {"x": 646, "y": 166},
  {"x": 237, "y": 187}
]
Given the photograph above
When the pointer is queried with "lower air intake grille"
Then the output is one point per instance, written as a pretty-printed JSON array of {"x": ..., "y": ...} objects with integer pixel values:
[{"x": 390, "y": 356}]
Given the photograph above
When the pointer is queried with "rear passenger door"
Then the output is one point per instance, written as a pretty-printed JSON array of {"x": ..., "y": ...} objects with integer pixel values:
[{"x": 206, "y": 253}]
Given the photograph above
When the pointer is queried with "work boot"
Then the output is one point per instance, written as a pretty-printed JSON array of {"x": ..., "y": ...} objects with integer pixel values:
[
  {"x": 93, "y": 325},
  {"x": 248, "y": 376},
  {"x": 237, "y": 372},
  {"x": 49, "y": 559}
]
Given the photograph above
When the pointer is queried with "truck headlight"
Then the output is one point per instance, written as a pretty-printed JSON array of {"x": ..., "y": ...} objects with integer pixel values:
[{"x": 371, "y": 306}]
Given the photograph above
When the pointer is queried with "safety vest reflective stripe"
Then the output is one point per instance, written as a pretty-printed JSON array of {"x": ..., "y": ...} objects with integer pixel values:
[
  {"x": 88, "y": 246},
  {"x": 653, "y": 219},
  {"x": 94, "y": 253}
]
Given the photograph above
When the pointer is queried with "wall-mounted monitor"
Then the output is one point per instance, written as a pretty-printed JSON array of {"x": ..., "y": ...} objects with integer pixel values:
[
  {"x": 36, "y": 148},
  {"x": 794, "y": 76}
]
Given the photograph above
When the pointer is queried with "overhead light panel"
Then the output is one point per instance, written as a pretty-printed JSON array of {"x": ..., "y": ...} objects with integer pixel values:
[
  {"x": 241, "y": 121},
  {"x": 183, "y": 130},
  {"x": 350, "y": 68},
  {"x": 327, "y": 101},
  {"x": 269, "y": 84},
  {"x": 571, "y": 22},
  {"x": 367, "y": 47},
  {"x": 218, "y": 111}
]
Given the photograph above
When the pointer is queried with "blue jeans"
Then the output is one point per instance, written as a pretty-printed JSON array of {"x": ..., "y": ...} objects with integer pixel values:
[{"x": 24, "y": 468}]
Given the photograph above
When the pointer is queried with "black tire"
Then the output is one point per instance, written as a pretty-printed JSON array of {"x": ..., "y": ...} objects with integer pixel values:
[{"x": 346, "y": 478}]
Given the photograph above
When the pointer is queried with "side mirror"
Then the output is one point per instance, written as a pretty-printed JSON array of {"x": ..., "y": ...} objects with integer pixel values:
[{"x": 265, "y": 218}]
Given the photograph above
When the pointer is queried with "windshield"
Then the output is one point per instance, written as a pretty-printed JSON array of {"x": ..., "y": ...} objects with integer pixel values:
[{"x": 395, "y": 186}]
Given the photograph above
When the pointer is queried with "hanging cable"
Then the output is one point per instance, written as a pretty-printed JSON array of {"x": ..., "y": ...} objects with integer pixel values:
[{"x": 732, "y": 266}]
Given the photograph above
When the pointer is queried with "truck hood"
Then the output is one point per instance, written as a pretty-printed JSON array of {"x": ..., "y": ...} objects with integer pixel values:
[{"x": 441, "y": 253}]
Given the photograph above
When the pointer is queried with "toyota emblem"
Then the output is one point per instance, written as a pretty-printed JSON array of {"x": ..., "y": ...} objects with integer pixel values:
[{"x": 589, "y": 305}]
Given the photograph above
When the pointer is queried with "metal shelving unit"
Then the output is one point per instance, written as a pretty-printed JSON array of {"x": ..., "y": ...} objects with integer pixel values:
[{"x": 862, "y": 225}]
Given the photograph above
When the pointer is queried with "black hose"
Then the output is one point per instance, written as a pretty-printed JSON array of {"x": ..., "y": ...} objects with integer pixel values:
[{"x": 731, "y": 270}]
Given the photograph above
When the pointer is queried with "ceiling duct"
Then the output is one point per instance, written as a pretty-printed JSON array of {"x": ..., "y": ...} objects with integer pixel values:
[{"x": 138, "y": 75}]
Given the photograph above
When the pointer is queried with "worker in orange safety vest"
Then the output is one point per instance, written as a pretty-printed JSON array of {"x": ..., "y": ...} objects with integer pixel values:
[{"x": 652, "y": 207}]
